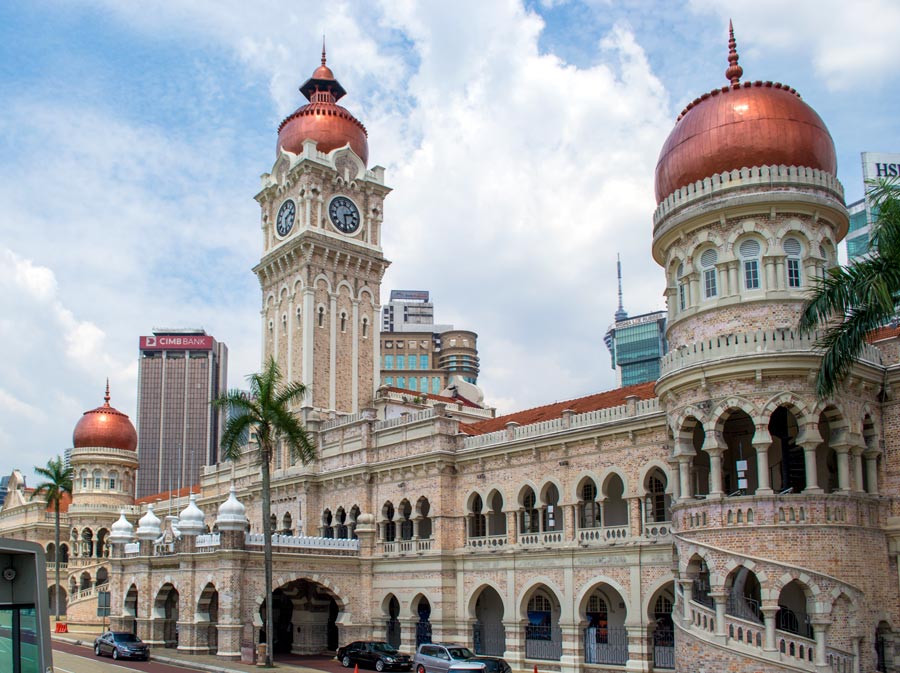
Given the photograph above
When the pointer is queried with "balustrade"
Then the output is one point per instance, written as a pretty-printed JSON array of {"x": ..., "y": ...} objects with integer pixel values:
[{"x": 487, "y": 542}]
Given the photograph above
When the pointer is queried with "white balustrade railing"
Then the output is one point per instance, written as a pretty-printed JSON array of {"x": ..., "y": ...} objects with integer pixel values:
[
  {"x": 207, "y": 543},
  {"x": 486, "y": 542},
  {"x": 303, "y": 542},
  {"x": 541, "y": 539},
  {"x": 132, "y": 548}
]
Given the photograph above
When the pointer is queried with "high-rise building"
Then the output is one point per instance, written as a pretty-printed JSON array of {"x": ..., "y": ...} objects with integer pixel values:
[
  {"x": 875, "y": 166},
  {"x": 635, "y": 344},
  {"x": 419, "y": 355},
  {"x": 181, "y": 372}
]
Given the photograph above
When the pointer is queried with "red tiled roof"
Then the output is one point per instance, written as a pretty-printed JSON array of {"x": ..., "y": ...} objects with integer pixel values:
[
  {"x": 64, "y": 503},
  {"x": 582, "y": 405},
  {"x": 437, "y": 398},
  {"x": 165, "y": 495},
  {"x": 883, "y": 333}
]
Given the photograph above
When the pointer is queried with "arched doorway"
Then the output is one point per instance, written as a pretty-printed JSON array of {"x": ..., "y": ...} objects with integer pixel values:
[
  {"x": 793, "y": 614},
  {"x": 208, "y": 618},
  {"x": 422, "y": 608},
  {"x": 102, "y": 577},
  {"x": 488, "y": 634},
  {"x": 744, "y": 595},
  {"x": 739, "y": 469},
  {"x": 392, "y": 627},
  {"x": 605, "y": 637},
  {"x": 543, "y": 637},
  {"x": 130, "y": 607},
  {"x": 664, "y": 626},
  {"x": 786, "y": 458},
  {"x": 57, "y": 592},
  {"x": 165, "y": 614},
  {"x": 305, "y": 617}
]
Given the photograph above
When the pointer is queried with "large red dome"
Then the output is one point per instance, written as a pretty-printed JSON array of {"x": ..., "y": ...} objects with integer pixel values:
[
  {"x": 322, "y": 119},
  {"x": 742, "y": 125},
  {"x": 105, "y": 427}
]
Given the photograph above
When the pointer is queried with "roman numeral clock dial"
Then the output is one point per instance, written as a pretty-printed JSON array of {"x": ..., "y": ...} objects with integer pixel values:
[
  {"x": 285, "y": 220},
  {"x": 344, "y": 214}
]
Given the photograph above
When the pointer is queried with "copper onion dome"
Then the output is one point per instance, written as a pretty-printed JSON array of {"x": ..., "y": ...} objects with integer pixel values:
[
  {"x": 742, "y": 125},
  {"x": 322, "y": 119},
  {"x": 105, "y": 427}
]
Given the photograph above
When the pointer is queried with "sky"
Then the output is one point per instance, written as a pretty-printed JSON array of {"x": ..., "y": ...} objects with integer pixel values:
[{"x": 519, "y": 136}]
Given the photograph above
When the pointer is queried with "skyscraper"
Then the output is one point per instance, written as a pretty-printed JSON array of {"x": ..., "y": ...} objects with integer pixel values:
[
  {"x": 875, "y": 166},
  {"x": 635, "y": 344},
  {"x": 181, "y": 372}
]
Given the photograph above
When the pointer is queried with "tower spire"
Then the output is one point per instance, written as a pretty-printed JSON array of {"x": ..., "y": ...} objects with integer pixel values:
[
  {"x": 106, "y": 397},
  {"x": 734, "y": 71},
  {"x": 323, "y": 48},
  {"x": 620, "y": 312}
]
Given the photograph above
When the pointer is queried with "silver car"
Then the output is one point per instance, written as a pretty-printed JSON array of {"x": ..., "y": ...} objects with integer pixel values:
[{"x": 439, "y": 657}]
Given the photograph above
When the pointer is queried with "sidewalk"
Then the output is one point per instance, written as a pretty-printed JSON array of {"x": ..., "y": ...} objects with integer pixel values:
[{"x": 203, "y": 662}]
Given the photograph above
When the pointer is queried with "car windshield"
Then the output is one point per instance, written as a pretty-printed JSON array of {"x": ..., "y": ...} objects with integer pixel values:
[
  {"x": 460, "y": 652},
  {"x": 383, "y": 647},
  {"x": 125, "y": 638}
]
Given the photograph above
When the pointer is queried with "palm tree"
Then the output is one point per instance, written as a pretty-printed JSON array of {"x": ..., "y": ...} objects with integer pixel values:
[
  {"x": 58, "y": 485},
  {"x": 850, "y": 302},
  {"x": 266, "y": 412}
]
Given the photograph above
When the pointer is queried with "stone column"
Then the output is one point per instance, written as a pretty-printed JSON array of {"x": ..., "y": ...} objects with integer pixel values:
[
  {"x": 720, "y": 598},
  {"x": 687, "y": 590},
  {"x": 568, "y": 522},
  {"x": 843, "y": 467},
  {"x": 871, "y": 458},
  {"x": 511, "y": 529},
  {"x": 715, "y": 473},
  {"x": 809, "y": 461},
  {"x": 634, "y": 517},
  {"x": 769, "y": 613},
  {"x": 734, "y": 286},
  {"x": 764, "y": 485},
  {"x": 684, "y": 477},
  {"x": 571, "y": 646},
  {"x": 820, "y": 629},
  {"x": 515, "y": 643},
  {"x": 856, "y": 462}
]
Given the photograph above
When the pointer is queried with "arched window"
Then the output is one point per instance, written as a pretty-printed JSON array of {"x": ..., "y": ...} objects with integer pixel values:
[
  {"x": 98, "y": 477},
  {"x": 287, "y": 524},
  {"x": 792, "y": 249},
  {"x": 749, "y": 252},
  {"x": 343, "y": 321},
  {"x": 478, "y": 526},
  {"x": 708, "y": 272},
  {"x": 113, "y": 480},
  {"x": 390, "y": 527},
  {"x": 406, "y": 524},
  {"x": 327, "y": 530},
  {"x": 342, "y": 531},
  {"x": 365, "y": 328},
  {"x": 529, "y": 513},
  {"x": 590, "y": 508},
  {"x": 84, "y": 479},
  {"x": 321, "y": 316},
  {"x": 682, "y": 287},
  {"x": 656, "y": 498}
]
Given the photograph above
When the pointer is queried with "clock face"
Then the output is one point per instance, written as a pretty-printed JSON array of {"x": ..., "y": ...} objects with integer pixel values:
[
  {"x": 285, "y": 220},
  {"x": 344, "y": 214}
]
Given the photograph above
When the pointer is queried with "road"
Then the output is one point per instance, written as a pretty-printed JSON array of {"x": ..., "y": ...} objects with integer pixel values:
[{"x": 76, "y": 659}]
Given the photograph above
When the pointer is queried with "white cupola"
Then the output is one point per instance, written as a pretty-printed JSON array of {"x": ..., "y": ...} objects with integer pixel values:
[
  {"x": 232, "y": 514},
  {"x": 149, "y": 526},
  {"x": 122, "y": 531},
  {"x": 191, "y": 520}
]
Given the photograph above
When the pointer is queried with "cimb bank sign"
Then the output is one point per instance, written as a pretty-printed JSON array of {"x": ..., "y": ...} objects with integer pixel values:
[
  {"x": 176, "y": 342},
  {"x": 879, "y": 165}
]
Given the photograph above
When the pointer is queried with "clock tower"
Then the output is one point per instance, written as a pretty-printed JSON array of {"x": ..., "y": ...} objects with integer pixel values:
[{"x": 322, "y": 262}]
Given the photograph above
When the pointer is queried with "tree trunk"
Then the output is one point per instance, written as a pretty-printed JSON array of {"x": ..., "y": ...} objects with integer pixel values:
[
  {"x": 56, "y": 557},
  {"x": 267, "y": 546}
]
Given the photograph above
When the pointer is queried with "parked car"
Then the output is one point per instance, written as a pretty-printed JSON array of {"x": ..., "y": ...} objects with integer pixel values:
[
  {"x": 375, "y": 654},
  {"x": 438, "y": 657},
  {"x": 491, "y": 664},
  {"x": 120, "y": 645}
]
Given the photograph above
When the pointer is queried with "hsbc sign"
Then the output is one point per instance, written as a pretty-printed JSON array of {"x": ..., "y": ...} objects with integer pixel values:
[{"x": 176, "y": 342}]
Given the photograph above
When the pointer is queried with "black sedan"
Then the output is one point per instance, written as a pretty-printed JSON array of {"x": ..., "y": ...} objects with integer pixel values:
[
  {"x": 378, "y": 655},
  {"x": 491, "y": 664},
  {"x": 121, "y": 645}
]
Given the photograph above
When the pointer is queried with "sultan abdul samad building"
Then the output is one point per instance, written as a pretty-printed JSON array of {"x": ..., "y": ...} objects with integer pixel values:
[{"x": 723, "y": 518}]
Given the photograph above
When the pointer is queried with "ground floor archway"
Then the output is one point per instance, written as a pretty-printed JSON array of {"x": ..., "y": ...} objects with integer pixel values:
[{"x": 304, "y": 615}]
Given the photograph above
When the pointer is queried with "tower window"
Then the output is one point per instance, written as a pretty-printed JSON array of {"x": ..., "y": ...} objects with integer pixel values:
[
  {"x": 365, "y": 328},
  {"x": 708, "y": 264},
  {"x": 749, "y": 252},
  {"x": 682, "y": 287},
  {"x": 793, "y": 249},
  {"x": 321, "y": 316},
  {"x": 343, "y": 322}
]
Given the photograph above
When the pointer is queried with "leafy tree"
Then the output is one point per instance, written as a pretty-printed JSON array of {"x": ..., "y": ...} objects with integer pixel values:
[
  {"x": 57, "y": 485},
  {"x": 266, "y": 413},
  {"x": 850, "y": 302}
]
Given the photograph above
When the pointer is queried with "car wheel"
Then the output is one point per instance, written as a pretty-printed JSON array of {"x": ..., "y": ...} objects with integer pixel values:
[
  {"x": 379, "y": 666},
  {"x": 96, "y": 650},
  {"x": 116, "y": 654},
  {"x": 345, "y": 662},
  {"x": 420, "y": 669}
]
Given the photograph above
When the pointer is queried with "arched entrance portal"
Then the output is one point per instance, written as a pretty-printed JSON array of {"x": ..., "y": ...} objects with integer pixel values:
[
  {"x": 488, "y": 635},
  {"x": 305, "y": 615},
  {"x": 165, "y": 616}
]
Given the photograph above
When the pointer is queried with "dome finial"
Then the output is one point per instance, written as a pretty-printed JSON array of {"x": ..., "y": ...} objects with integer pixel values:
[
  {"x": 734, "y": 71},
  {"x": 106, "y": 397},
  {"x": 323, "y": 48}
]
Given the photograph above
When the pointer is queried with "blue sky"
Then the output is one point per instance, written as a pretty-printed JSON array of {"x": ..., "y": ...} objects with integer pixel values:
[{"x": 520, "y": 140}]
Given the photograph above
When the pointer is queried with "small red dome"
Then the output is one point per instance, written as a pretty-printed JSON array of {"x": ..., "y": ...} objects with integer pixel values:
[
  {"x": 105, "y": 427},
  {"x": 322, "y": 119},
  {"x": 742, "y": 125}
]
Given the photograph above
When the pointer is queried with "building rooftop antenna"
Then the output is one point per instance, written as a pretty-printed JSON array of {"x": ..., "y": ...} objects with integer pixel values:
[{"x": 620, "y": 312}]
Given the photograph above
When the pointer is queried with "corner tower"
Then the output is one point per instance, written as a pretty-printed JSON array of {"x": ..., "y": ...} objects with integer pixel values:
[
  {"x": 322, "y": 262},
  {"x": 749, "y": 214}
]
